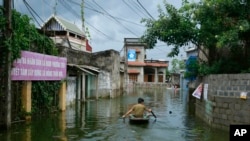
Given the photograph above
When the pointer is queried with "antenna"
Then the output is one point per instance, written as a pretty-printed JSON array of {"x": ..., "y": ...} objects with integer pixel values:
[{"x": 54, "y": 8}]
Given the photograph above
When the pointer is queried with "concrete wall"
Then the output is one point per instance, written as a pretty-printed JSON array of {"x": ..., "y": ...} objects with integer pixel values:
[
  {"x": 75, "y": 56},
  {"x": 224, "y": 105},
  {"x": 109, "y": 63},
  {"x": 71, "y": 91},
  {"x": 104, "y": 83},
  {"x": 140, "y": 77}
]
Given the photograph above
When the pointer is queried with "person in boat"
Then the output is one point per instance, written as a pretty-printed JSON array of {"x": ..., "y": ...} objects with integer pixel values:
[{"x": 137, "y": 110}]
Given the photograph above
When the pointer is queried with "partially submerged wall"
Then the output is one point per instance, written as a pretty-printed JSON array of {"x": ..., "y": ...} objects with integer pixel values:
[
  {"x": 109, "y": 84},
  {"x": 224, "y": 106},
  {"x": 109, "y": 80}
]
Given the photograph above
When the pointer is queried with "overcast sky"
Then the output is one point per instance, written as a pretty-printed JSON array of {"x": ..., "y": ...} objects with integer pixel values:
[{"x": 108, "y": 21}]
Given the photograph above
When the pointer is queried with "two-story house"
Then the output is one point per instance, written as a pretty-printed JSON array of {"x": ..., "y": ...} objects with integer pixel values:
[
  {"x": 140, "y": 69},
  {"x": 66, "y": 34}
]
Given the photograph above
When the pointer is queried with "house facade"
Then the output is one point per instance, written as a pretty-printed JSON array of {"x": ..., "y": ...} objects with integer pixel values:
[
  {"x": 140, "y": 69},
  {"x": 89, "y": 75},
  {"x": 66, "y": 34}
]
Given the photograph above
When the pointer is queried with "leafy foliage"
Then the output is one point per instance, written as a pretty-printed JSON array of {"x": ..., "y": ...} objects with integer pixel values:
[
  {"x": 25, "y": 36},
  {"x": 177, "y": 65},
  {"x": 43, "y": 102},
  {"x": 192, "y": 68},
  {"x": 220, "y": 30}
]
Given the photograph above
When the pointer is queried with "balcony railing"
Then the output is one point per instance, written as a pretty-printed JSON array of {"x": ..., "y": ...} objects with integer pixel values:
[{"x": 156, "y": 61}]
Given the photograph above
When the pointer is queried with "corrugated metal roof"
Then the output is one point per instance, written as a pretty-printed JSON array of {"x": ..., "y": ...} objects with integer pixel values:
[
  {"x": 88, "y": 69},
  {"x": 70, "y": 26},
  {"x": 95, "y": 69},
  {"x": 66, "y": 25}
]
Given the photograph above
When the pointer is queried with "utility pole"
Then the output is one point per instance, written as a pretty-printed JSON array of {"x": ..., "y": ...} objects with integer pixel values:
[
  {"x": 126, "y": 63},
  {"x": 84, "y": 29},
  {"x": 82, "y": 16},
  {"x": 6, "y": 80}
]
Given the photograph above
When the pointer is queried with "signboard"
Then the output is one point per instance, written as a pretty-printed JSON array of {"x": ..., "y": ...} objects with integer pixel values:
[
  {"x": 131, "y": 55},
  {"x": 243, "y": 95},
  {"x": 198, "y": 91},
  {"x": 36, "y": 66},
  {"x": 205, "y": 91}
]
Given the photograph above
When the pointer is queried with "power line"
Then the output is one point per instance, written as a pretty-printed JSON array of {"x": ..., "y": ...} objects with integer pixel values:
[
  {"x": 115, "y": 19},
  {"x": 103, "y": 33},
  {"x": 145, "y": 10},
  {"x": 33, "y": 11},
  {"x": 68, "y": 7},
  {"x": 138, "y": 7},
  {"x": 113, "y": 16},
  {"x": 46, "y": 2},
  {"x": 131, "y": 8},
  {"x": 29, "y": 9},
  {"x": 105, "y": 14},
  {"x": 90, "y": 5}
]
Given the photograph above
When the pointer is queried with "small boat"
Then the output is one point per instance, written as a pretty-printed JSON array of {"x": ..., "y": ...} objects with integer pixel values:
[{"x": 134, "y": 120}]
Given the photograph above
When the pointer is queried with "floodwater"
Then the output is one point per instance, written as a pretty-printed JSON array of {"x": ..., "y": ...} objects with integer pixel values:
[{"x": 101, "y": 121}]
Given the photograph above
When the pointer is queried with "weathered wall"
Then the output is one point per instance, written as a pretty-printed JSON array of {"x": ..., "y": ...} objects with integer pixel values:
[
  {"x": 224, "y": 105},
  {"x": 71, "y": 91},
  {"x": 104, "y": 83},
  {"x": 109, "y": 63},
  {"x": 75, "y": 56}
]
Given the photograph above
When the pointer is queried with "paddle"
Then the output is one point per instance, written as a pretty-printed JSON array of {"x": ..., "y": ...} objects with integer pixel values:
[{"x": 153, "y": 114}]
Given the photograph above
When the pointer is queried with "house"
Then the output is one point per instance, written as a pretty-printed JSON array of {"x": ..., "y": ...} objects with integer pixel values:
[
  {"x": 89, "y": 75},
  {"x": 140, "y": 69},
  {"x": 66, "y": 34},
  {"x": 72, "y": 43}
]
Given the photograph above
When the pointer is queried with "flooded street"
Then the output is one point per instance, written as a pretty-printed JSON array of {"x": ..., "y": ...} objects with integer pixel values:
[{"x": 101, "y": 121}]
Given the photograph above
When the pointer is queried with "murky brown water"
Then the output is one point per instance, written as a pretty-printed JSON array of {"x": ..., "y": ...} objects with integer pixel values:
[{"x": 101, "y": 121}]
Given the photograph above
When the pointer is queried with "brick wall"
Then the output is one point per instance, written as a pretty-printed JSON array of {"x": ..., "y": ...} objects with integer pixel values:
[{"x": 224, "y": 105}]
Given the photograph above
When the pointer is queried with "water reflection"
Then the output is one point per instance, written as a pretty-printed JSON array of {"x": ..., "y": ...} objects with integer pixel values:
[{"x": 101, "y": 121}]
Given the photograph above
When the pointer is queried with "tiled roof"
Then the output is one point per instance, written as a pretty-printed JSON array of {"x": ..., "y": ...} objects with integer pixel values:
[
  {"x": 156, "y": 64},
  {"x": 133, "y": 71},
  {"x": 136, "y": 63},
  {"x": 130, "y": 63}
]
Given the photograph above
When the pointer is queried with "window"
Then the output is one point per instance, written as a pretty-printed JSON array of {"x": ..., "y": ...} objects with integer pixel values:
[{"x": 133, "y": 77}]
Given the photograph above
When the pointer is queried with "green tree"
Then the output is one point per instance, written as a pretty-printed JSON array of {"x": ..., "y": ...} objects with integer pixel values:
[
  {"x": 177, "y": 65},
  {"x": 25, "y": 36},
  {"x": 218, "y": 28},
  {"x": 182, "y": 64}
]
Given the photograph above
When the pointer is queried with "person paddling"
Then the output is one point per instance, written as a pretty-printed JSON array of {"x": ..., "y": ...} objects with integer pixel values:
[{"x": 138, "y": 110}]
